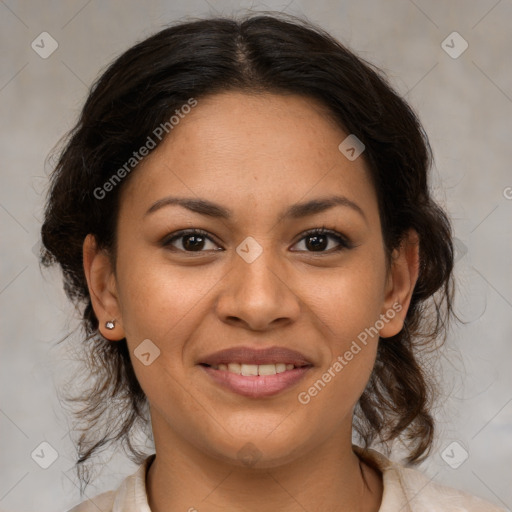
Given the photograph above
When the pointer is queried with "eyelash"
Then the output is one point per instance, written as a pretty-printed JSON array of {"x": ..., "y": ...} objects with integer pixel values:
[{"x": 343, "y": 242}]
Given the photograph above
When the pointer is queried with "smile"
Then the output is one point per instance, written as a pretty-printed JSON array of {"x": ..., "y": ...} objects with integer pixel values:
[
  {"x": 255, "y": 381},
  {"x": 254, "y": 369}
]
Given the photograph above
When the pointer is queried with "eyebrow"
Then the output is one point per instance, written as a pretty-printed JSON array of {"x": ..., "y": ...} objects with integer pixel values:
[{"x": 296, "y": 211}]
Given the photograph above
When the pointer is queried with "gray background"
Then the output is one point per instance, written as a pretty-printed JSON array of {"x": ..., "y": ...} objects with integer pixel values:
[{"x": 466, "y": 107}]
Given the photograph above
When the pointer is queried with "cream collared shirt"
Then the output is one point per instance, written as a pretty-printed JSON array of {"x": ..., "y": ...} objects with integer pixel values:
[{"x": 405, "y": 490}]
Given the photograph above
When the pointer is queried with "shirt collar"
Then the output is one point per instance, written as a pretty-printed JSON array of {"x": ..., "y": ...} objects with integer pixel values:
[
  {"x": 394, "y": 494},
  {"x": 131, "y": 495}
]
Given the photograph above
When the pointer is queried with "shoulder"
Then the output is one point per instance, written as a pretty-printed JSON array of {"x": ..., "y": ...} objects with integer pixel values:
[
  {"x": 129, "y": 497},
  {"x": 101, "y": 503},
  {"x": 425, "y": 495},
  {"x": 410, "y": 490}
]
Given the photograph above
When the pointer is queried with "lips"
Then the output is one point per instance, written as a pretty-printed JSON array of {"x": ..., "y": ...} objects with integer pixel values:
[
  {"x": 246, "y": 355},
  {"x": 256, "y": 373}
]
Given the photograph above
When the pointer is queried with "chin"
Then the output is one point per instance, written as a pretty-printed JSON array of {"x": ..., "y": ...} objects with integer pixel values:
[{"x": 262, "y": 449}]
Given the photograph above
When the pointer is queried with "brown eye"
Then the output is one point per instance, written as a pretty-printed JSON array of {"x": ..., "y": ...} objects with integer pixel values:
[
  {"x": 323, "y": 240},
  {"x": 190, "y": 241},
  {"x": 316, "y": 242},
  {"x": 193, "y": 242}
]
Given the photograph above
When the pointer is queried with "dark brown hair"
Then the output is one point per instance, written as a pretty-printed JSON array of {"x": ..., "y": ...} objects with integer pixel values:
[{"x": 263, "y": 53}]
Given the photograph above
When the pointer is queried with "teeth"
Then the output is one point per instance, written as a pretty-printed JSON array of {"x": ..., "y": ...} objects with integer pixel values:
[
  {"x": 249, "y": 369},
  {"x": 254, "y": 369},
  {"x": 281, "y": 367},
  {"x": 267, "y": 369},
  {"x": 233, "y": 368}
]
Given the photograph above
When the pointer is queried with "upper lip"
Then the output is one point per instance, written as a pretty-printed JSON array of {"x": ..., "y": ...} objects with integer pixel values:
[{"x": 249, "y": 355}]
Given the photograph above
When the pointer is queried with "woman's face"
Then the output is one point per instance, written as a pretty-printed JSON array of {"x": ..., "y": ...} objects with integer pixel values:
[{"x": 254, "y": 173}]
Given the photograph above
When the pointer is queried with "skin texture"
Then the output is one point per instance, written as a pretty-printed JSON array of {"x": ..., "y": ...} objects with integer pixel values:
[{"x": 255, "y": 155}]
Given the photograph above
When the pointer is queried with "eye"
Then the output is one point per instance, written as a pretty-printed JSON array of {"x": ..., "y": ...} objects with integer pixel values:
[
  {"x": 191, "y": 240},
  {"x": 314, "y": 240},
  {"x": 318, "y": 240}
]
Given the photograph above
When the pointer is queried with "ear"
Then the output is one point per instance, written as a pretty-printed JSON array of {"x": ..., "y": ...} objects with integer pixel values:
[
  {"x": 102, "y": 288},
  {"x": 402, "y": 277}
]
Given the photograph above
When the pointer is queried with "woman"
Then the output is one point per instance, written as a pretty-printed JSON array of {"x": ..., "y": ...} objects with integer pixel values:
[{"x": 243, "y": 213}]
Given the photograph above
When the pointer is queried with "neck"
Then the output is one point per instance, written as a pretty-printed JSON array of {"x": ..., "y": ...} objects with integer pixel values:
[{"x": 183, "y": 477}]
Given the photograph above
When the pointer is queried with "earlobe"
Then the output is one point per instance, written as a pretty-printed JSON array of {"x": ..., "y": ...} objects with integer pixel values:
[
  {"x": 402, "y": 278},
  {"x": 102, "y": 289}
]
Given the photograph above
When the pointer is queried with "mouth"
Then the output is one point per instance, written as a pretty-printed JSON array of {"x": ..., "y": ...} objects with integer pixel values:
[
  {"x": 256, "y": 373},
  {"x": 248, "y": 370}
]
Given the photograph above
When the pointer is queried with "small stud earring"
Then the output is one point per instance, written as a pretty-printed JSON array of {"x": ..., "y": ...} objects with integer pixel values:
[{"x": 110, "y": 325}]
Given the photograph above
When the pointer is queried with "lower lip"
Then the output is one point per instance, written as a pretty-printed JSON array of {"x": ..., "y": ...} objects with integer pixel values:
[{"x": 257, "y": 386}]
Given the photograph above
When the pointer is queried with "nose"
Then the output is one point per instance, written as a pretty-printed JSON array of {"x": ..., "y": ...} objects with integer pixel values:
[{"x": 257, "y": 295}]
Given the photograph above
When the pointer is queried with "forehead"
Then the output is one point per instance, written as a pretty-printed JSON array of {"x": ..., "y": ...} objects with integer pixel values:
[{"x": 238, "y": 147}]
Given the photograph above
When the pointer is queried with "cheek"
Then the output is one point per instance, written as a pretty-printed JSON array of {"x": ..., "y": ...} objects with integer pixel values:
[
  {"x": 153, "y": 294},
  {"x": 347, "y": 300},
  {"x": 350, "y": 312},
  {"x": 158, "y": 304},
  {"x": 162, "y": 302},
  {"x": 346, "y": 308}
]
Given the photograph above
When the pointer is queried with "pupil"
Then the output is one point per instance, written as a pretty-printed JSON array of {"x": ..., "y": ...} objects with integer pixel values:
[
  {"x": 193, "y": 242},
  {"x": 316, "y": 242}
]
